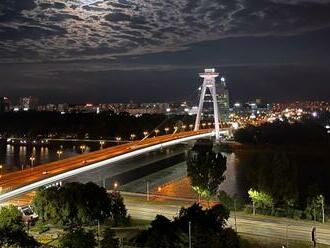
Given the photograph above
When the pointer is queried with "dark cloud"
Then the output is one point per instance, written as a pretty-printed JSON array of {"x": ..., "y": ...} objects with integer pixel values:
[
  {"x": 153, "y": 26},
  {"x": 100, "y": 40}
]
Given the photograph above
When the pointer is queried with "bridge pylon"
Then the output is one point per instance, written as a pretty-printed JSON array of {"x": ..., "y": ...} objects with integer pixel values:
[{"x": 209, "y": 76}]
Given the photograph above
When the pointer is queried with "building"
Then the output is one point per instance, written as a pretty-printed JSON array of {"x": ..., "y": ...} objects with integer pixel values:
[
  {"x": 28, "y": 103},
  {"x": 223, "y": 100},
  {"x": 222, "y": 93},
  {"x": 4, "y": 104}
]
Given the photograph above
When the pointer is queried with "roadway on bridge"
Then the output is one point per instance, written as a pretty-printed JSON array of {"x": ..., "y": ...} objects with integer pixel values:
[{"x": 18, "y": 179}]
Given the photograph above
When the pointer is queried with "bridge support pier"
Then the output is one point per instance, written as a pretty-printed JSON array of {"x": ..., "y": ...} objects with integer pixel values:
[{"x": 209, "y": 76}]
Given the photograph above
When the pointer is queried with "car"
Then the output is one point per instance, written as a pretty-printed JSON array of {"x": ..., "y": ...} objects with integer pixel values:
[
  {"x": 44, "y": 172},
  {"x": 28, "y": 215}
]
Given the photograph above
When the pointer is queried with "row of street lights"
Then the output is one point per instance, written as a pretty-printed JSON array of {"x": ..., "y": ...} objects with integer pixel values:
[{"x": 166, "y": 129}]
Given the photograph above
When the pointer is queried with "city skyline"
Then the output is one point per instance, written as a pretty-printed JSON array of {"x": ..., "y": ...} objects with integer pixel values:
[{"x": 100, "y": 51}]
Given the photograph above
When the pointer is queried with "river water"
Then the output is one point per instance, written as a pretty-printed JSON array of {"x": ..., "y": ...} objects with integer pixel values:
[{"x": 15, "y": 157}]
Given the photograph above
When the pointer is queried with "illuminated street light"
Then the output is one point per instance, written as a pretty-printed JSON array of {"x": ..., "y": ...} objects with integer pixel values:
[
  {"x": 145, "y": 133},
  {"x": 209, "y": 124},
  {"x": 118, "y": 139},
  {"x": 159, "y": 189},
  {"x": 191, "y": 127},
  {"x": 184, "y": 127},
  {"x": 156, "y": 131},
  {"x": 59, "y": 153},
  {"x": 82, "y": 148},
  {"x": 115, "y": 185},
  {"x": 203, "y": 125},
  {"x": 166, "y": 130},
  {"x": 32, "y": 159},
  {"x": 1, "y": 166},
  {"x": 133, "y": 136},
  {"x": 102, "y": 143}
]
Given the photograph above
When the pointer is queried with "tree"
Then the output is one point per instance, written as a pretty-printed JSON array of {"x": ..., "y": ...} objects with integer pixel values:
[
  {"x": 234, "y": 202},
  {"x": 260, "y": 199},
  {"x": 79, "y": 204},
  {"x": 163, "y": 234},
  {"x": 206, "y": 169},
  {"x": 207, "y": 229},
  {"x": 109, "y": 240},
  {"x": 118, "y": 212},
  {"x": 12, "y": 232},
  {"x": 315, "y": 208},
  {"x": 10, "y": 218},
  {"x": 77, "y": 239}
]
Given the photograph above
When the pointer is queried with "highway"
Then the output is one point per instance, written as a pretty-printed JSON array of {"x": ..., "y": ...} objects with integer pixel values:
[
  {"x": 266, "y": 226},
  {"x": 20, "y": 182}
]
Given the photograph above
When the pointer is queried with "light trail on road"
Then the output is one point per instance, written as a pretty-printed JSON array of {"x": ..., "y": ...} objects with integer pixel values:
[{"x": 20, "y": 182}]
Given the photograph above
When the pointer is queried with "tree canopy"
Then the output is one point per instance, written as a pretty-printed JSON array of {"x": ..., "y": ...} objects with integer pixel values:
[
  {"x": 206, "y": 168},
  {"x": 12, "y": 233},
  {"x": 78, "y": 204},
  {"x": 77, "y": 238},
  {"x": 208, "y": 229}
]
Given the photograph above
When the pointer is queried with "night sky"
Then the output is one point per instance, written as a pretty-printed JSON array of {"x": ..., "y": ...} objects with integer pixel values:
[{"x": 111, "y": 51}]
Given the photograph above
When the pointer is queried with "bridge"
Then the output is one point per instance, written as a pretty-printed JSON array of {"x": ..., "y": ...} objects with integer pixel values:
[{"x": 20, "y": 182}]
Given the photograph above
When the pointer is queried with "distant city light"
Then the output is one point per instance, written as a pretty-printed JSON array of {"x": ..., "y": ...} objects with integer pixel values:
[
  {"x": 314, "y": 114},
  {"x": 235, "y": 125}
]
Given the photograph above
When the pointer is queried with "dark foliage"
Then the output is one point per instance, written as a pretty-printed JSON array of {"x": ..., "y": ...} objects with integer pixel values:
[
  {"x": 109, "y": 240},
  {"x": 284, "y": 133},
  {"x": 207, "y": 229},
  {"x": 78, "y": 204},
  {"x": 206, "y": 168},
  {"x": 77, "y": 238},
  {"x": 12, "y": 233}
]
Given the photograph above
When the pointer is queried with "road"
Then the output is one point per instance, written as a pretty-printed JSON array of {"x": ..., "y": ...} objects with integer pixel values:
[
  {"x": 266, "y": 226},
  {"x": 19, "y": 179}
]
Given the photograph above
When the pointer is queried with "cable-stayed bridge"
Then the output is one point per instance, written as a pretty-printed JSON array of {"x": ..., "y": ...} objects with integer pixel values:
[{"x": 20, "y": 182}]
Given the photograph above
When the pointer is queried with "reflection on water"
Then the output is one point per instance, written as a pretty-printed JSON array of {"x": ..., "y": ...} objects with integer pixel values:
[
  {"x": 14, "y": 157},
  {"x": 230, "y": 184}
]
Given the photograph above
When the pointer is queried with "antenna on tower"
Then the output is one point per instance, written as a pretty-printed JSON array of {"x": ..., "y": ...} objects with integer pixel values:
[{"x": 209, "y": 76}]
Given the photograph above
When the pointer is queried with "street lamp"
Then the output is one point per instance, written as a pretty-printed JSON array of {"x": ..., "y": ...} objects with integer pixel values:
[
  {"x": 118, "y": 139},
  {"x": 191, "y": 127},
  {"x": 59, "y": 153},
  {"x": 32, "y": 159},
  {"x": 203, "y": 124},
  {"x": 82, "y": 148},
  {"x": 156, "y": 131},
  {"x": 148, "y": 193},
  {"x": 115, "y": 185},
  {"x": 133, "y": 136},
  {"x": 184, "y": 127},
  {"x": 102, "y": 143},
  {"x": 1, "y": 166},
  {"x": 166, "y": 130},
  {"x": 145, "y": 133}
]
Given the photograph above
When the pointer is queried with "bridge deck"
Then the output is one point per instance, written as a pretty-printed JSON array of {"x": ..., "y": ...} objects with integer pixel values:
[{"x": 19, "y": 179}]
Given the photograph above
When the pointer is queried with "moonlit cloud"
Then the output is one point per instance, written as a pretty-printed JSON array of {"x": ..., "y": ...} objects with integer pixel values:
[{"x": 62, "y": 30}]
